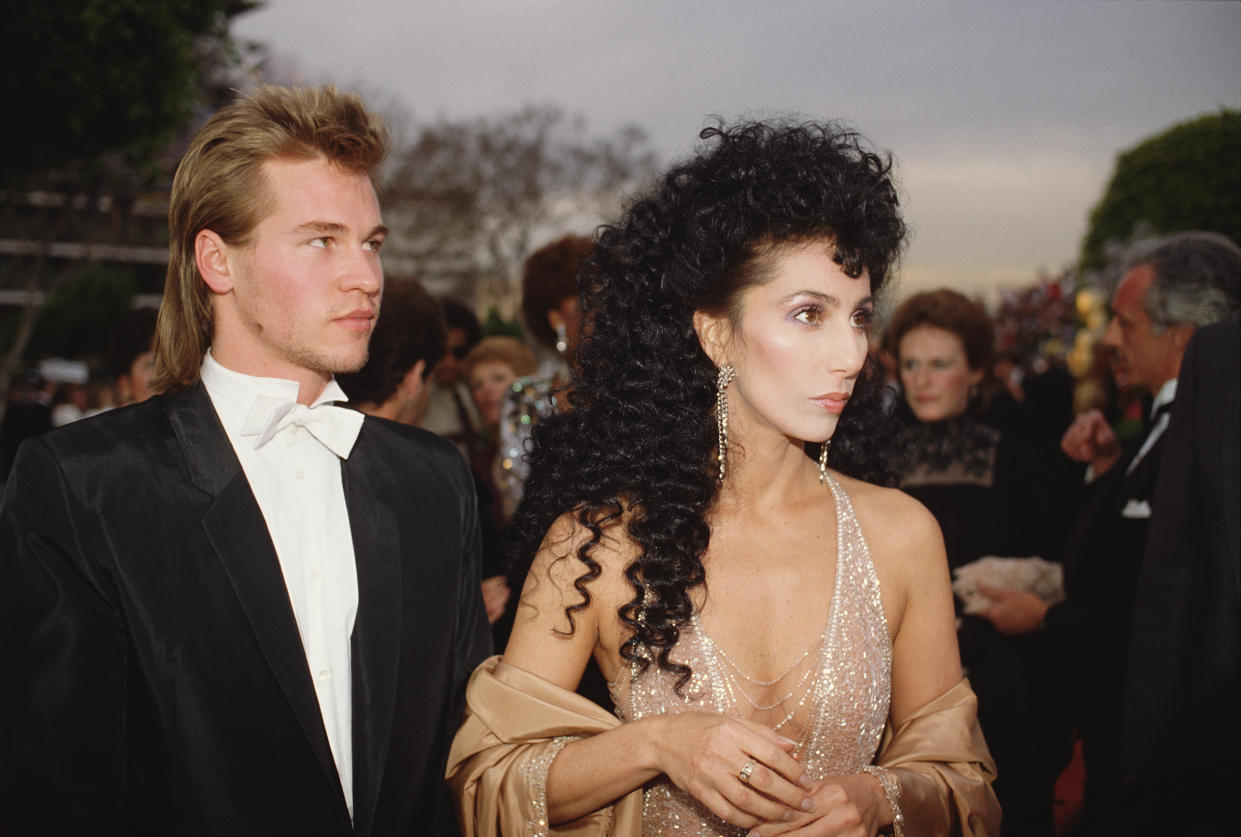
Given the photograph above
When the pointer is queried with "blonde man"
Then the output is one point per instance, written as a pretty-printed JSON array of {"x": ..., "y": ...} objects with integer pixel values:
[{"x": 238, "y": 608}]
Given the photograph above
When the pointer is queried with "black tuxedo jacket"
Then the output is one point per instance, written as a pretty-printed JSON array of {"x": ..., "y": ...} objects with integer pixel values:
[
  {"x": 154, "y": 677},
  {"x": 1089, "y": 631},
  {"x": 1183, "y": 698}
]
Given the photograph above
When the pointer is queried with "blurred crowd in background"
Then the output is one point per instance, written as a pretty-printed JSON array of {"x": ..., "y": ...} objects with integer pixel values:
[{"x": 1009, "y": 414}]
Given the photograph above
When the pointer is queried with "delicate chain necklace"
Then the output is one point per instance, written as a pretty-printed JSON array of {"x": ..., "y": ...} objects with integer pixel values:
[
  {"x": 733, "y": 665},
  {"x": 732, "y": 686},
  {"x": 767, "y": 707},
  {"x": 732, "y": 676}
]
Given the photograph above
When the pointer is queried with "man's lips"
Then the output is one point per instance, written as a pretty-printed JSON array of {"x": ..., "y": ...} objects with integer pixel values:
[{"x": 359, "y": 320}]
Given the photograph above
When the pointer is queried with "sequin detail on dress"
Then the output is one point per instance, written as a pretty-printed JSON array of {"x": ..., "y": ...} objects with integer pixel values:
[
  {"x": 534, "y": 774},
  {"x": 843, "y": 707}
]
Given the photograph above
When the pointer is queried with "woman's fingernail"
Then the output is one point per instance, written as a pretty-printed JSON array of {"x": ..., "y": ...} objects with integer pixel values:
[
  {"x": 804, "y": 781},
  {"x": 807, "y": 804},
  {"x": 787, "y": 816}
]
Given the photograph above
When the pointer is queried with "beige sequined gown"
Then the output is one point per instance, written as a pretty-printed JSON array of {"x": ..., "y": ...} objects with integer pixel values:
[{"x": 839, "y": 689}]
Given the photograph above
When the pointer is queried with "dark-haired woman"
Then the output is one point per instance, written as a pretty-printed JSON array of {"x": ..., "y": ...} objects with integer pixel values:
[
  {"x": 779, "y": 636},
  {"x": 549, "y": 307},
  {"x": 991, "y": 496}
]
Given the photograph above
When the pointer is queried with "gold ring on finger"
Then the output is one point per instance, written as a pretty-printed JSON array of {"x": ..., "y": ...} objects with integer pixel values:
[{"x": 746, "y": 770}]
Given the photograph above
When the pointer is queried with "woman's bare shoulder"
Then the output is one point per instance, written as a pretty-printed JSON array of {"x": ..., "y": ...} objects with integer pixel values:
[{"x": 897, "y": 527}]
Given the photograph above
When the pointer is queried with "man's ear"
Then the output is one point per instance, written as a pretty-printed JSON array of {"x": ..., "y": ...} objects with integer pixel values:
[
  {"x": 212, "y": 257},
  {"x": 1181, "y": 334},
  {"x": 413, "y": 381},
  {"x": 713, "y": 333}
]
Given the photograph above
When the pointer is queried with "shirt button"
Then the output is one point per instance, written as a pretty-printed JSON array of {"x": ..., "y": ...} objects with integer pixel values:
[
  {"x": 324, "y": 674},
  {"x": 301, "y": 475}
]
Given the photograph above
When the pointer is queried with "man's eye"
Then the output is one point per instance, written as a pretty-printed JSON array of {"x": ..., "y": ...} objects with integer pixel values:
[
  {"x": 374, "y": 244},
  {"x": 321, "y": 241}
]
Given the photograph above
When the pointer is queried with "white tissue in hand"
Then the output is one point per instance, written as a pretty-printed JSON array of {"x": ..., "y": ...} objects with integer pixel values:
[{"x": 1044, "y": 579}]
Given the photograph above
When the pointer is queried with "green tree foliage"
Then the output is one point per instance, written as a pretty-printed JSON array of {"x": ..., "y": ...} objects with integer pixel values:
[
  {"x": 495, "y": 325},
  {"x": 96, "y": 91},
  {"x": 1186, "y": 178},
  {"x": 77, "y": 322},
  {"x": 88, "y": 77}
]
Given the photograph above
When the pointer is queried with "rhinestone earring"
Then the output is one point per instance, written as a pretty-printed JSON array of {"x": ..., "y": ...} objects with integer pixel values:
[
  {"x": 727, "y": 373},
  {"x": 826, "y": 446},
  {"x": 562, "y": 339}
]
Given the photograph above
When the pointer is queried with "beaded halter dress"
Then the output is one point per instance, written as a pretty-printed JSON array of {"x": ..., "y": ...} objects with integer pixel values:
[{"x": 833, "y": 700}]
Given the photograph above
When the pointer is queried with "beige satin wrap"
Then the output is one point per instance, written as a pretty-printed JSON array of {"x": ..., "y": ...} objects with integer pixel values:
[
  {"x": 513, "y": 718},
  {"x": 938, "y": 757}
]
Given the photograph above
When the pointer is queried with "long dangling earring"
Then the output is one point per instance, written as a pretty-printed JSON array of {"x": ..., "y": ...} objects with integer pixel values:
[
  {"x": 562, "y": 339},
  {"x": 823, "y": 461},
  {"x": 727, "y": 373}
]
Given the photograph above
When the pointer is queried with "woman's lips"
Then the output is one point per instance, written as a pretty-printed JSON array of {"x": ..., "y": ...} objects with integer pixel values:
[{"x": 833, "y": 402}]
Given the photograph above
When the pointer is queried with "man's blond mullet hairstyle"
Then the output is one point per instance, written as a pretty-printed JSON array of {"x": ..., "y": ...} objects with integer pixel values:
[{"x": 219, "y": 186}]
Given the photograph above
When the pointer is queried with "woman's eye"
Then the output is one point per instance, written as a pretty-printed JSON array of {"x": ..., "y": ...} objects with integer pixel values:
[
  {"x": 861, "y": 319},
  {"x": 808, "y": 315}
]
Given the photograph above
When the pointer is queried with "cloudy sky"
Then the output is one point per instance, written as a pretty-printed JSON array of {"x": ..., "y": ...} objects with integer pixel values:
[{"x": 1004, "y": 117}]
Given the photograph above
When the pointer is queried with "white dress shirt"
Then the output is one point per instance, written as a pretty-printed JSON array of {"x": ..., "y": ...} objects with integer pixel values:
[
  {"x": 1164, "y": 397},
  {"x": 297, "y": 482}
]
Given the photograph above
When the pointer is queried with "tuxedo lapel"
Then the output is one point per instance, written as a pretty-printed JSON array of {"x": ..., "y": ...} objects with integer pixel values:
[
  {"x": 1138, "y": 482},
  {"x": 377, "y": 628},
  {"x": 235, "y": 526}
]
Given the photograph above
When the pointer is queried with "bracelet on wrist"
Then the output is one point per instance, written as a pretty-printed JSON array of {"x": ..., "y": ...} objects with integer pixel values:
[{"x": 892, "y": 791}]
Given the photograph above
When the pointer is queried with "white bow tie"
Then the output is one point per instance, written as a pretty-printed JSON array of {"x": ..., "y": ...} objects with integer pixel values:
[{"x": 336, "y": 427}]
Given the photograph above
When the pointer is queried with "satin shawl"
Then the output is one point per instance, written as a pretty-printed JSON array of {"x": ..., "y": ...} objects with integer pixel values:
[
  {"x": 941, "y": 763},
  {"x": 515, "y": 719}
]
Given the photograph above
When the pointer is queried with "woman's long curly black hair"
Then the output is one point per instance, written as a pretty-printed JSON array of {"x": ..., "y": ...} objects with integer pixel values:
[{"x": 637, "y": 445}]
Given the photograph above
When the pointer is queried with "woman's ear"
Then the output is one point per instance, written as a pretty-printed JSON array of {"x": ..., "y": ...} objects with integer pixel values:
[
  {"x": 713, "y": 333},
  {"x": 212, "y": 257}
]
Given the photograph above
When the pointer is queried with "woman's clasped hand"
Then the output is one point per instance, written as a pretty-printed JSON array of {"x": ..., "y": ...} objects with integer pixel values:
[
  {"x": 707, "y": 755},
  {"x": 748, "y": 776},
  {"x": 842, "y": 806}
]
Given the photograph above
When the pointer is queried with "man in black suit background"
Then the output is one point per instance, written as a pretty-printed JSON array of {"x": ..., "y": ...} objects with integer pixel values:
[
  {"x": 237, "y": 608},
  {"x": 1183, "y": 684},
  {"x": 1171, "y": 286}
]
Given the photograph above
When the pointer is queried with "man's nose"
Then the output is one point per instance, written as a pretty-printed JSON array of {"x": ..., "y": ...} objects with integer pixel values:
[
  {"x": 1111, "y": 335},
  {"x": 363, "y": 272}
]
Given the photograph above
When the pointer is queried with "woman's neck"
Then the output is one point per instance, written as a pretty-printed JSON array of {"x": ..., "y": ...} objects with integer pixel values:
[{"x": 768, "y": 470}]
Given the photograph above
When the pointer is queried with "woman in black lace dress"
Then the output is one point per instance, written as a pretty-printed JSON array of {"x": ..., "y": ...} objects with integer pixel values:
[{"x": 989, "y": 494}]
